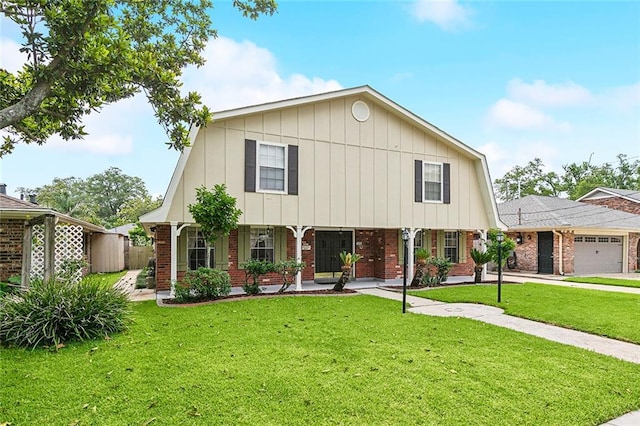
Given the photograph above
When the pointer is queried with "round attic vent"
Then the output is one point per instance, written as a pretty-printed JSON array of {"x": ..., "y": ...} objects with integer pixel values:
[{"x": 360, "y": 111}]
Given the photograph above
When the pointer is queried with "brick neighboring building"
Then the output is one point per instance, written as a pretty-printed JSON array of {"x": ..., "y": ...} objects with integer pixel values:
[
  {"x": 321, "y": 174},
  {"x": 559, "y": 236},
  {"x": 619, "y": 199}
]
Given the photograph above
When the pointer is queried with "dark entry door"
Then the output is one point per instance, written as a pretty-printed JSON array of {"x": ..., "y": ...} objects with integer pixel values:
[
  {"x": 329, "y": 244},
  {"x": 545, "y": 252}
]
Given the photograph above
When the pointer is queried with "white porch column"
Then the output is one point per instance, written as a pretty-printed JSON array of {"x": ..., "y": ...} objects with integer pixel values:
[
  {"x": 410, "y": 259},
  {"x": 483, "y": 248},
  {"x": 174, "y": 258},
  {"x": 298, "y": 233}
]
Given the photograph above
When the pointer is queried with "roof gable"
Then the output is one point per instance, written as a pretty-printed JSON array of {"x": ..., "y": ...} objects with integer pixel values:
[{"x": 601, "y": 192}]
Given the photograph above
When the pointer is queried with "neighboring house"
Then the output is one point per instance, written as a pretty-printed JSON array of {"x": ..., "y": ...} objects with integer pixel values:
[
  {"x": 619, "y": 199},
  {"x": 36, "y": 241},
  {"x": 316, "y": 175},
  {"x": 560, "y": 236}
]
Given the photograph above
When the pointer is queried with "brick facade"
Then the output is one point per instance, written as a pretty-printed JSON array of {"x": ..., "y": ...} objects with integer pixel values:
[
  {"x": 11, "y": 234},
  {"x": 378, "y": 248},
  {"x": 634, "y": 251},
  {"x": 616, "y": 203}
]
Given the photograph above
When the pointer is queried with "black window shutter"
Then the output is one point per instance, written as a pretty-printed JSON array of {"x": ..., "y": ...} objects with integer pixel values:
[
  {"x": 249, "y": 165},
  {"x": 446, "y": 183},
  {"x": 418, "y": 183},
  {"x": 293, "y": 170}
]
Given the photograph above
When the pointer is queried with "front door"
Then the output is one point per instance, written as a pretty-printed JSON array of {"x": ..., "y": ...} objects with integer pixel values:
[
  {"x": 545, "y": 252},
  {"x": 329, "y": 244}
]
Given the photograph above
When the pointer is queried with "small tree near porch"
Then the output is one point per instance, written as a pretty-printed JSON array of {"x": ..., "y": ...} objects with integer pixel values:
[{"x": 215, "y": 212}]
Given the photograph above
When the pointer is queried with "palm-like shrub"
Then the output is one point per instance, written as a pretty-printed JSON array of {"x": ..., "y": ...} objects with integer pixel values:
[
  {"x": 480, "y": 258},
  {"x": 51, "y": 313}
]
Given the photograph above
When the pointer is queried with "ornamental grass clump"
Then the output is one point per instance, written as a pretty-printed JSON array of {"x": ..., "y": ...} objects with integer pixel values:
[{"x": 52, "y": 313}]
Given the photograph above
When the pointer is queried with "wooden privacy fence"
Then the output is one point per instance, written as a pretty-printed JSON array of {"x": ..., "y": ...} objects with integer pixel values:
[{"x": 139, "y": 256}]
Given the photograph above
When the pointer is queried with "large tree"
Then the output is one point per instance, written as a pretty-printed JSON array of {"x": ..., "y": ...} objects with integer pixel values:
[
  {"x": 85, "y": 54},
  {"x": 577, "y": 179},
  {"x": 528, "y": 180},
  {"x": 111, "y": 190}
]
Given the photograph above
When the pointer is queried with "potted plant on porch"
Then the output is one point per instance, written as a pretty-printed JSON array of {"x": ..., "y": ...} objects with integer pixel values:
[{"x": 348, "y": 260}]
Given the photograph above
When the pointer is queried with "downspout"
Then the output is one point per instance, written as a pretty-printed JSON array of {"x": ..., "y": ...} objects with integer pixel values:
[{"x": 560, "y": 266}]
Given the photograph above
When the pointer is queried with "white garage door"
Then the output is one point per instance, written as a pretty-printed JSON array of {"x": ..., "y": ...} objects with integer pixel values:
[{"x": 597, "y": 254}]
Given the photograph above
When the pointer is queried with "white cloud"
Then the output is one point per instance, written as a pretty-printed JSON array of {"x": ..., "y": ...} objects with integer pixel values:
[
  {"x": 447, "y": 14},
  {"x": 241, "y": 73},
  {"x": 540, "y": 93},
  {"x": 516, "y": 115},
  {"x": 109, "y": 144},
  {"x": 503, "y": 156},
  {"x": 11, "y": 59},
  {"x": 622, "y": 97}
]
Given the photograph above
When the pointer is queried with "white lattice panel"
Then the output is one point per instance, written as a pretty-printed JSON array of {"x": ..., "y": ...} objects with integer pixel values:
[{"x": 68, "y": 247}]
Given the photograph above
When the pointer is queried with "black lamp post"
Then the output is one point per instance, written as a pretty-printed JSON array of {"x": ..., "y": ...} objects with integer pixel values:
[
  {"x": 405, "y": 238},
  {"x": 499, "y": 239}
]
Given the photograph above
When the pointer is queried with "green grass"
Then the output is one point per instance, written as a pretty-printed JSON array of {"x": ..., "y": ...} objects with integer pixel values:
[
  {"x": 604, "y": 313},
  {"x": 108, "y": 278},
  {"x": 313, "y": 360},
  {"x": 606, "y": 281}
]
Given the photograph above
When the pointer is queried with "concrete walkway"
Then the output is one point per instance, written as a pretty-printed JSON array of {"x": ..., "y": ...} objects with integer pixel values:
[{"x": 128, "y": 284}]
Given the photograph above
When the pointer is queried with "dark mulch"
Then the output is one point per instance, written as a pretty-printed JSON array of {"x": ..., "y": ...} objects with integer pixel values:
[{"x": 233, "y": 297}]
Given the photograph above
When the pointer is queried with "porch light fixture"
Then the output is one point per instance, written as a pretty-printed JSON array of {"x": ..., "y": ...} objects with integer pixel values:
[
  {"x": 405, "y": 238},
  {"x": 499, "y": 239},
  {"x": 519, "y": 238}
]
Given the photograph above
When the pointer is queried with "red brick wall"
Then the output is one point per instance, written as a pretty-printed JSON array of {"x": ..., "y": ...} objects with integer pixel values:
[
  {"x": 527, "y": 252},
  {"x": 465, "y": 268},
  {"x": 616, "y": 203},
  {"x": 11, "y": 233},
  {"x": 163, "y": 257},
  {"x": 365, "y": 247}
]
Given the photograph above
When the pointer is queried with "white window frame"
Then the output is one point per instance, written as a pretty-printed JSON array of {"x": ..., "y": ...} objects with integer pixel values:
[
  {"x": 259, "y": 229},
  {"x": 432, "y": 163},
  {"x": 457, "y": 246},
  {"x": 259, "y": 166},
  {"x": 209, "y": 251}
]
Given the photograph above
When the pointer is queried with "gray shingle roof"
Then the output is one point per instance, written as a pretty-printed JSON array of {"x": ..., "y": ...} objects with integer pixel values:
[
  {"x": 535, "y": 211},
  {"x": 627, "y": 193}
]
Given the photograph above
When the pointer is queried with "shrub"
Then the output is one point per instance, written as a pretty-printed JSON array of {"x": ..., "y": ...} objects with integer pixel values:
[
  {"x": 288, "y": 269},
  {"x": 437, "y": 271},
  {"x": 203, "y": 284},
  {"x": 254, "y": 268},
  {"x": 52, "y": 312},
  {"x": 12, "y": 285}
]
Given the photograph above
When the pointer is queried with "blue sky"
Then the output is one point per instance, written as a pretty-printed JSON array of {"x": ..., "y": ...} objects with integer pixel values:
[{"x": 514, "y": 80}]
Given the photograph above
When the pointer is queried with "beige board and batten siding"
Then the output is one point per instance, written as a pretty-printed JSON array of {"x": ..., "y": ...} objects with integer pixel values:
[{"x": 351, "y": 173}]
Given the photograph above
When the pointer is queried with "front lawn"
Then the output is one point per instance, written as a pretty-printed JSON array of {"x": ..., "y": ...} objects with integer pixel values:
[
  {"x": 604, "y": 313},
  {"x": 313, "y": 360},
  {"x": 606, "y": 281}
]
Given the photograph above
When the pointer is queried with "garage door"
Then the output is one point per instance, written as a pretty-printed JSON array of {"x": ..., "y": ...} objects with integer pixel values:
[{"x": 597, "y": 254}]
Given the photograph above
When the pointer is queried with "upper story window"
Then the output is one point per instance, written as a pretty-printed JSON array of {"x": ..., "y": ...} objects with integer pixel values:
[
  {"x": 272, "y": 165},
  {"x": 262, "y": 244},
  {"x": 432, "y": 181}
]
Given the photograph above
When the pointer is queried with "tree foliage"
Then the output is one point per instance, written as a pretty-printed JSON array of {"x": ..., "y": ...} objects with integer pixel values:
[
  {"x": 493, "y": 247},
  {"x": 215, "y": 212},
  {"x": 110, "y": 198},
  {"x": 577, "y": 180},
  {"x": 83, "y": 55}
]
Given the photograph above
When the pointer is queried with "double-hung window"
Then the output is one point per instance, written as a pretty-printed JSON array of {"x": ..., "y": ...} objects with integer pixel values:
[
  {"x": 272, "y": 165},
  {"x": 451, "y": 242},
  {"x": 198, "y": 251},
  {"x": 262, "y": 244},
  {"x": 432, "y": 181}
]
